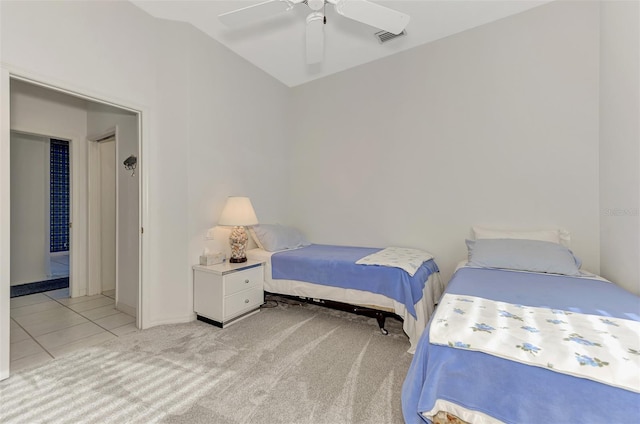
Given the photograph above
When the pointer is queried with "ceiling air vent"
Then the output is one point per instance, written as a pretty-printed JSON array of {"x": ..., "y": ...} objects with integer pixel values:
[{"x": 384, "y": 36}]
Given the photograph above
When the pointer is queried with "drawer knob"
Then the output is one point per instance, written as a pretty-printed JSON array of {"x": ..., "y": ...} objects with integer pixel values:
[
  {"x": 246, "y": 301},
  {"x": 246, "y": 281}
]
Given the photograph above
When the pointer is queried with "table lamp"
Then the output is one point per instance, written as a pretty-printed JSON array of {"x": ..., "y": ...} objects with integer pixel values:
[{"x": 238, "y": 212}]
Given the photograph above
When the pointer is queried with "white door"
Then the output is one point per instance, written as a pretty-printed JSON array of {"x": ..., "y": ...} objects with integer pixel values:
[{"x": 108, "y": 214}]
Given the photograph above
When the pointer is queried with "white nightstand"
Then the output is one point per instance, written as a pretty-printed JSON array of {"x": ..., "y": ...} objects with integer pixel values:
[{"x": 226, "y": 292}]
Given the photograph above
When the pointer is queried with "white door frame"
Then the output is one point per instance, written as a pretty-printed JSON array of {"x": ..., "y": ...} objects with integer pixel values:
[
  {"x": 94, "y": 212},
  {"x": 6, "y": 74},
  {"x": 5, "y": 223}
]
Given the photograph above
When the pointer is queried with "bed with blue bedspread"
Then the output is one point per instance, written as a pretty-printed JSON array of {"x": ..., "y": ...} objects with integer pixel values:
[
  {"x": 331, "y": 273},
  {"x": 524, "y": 347}
]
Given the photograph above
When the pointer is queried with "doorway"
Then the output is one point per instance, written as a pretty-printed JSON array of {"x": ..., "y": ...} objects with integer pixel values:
[
  {"x": 90, "y": 117},
  {"x": 59, "y": 209},
  {"x": 40, "y": 200}
]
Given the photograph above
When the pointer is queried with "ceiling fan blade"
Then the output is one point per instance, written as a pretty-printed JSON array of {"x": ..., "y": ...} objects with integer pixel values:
[
  {"x": 315, "y": 38},
  {"x": 256, "y": 12},
  {"x": 372, "y": 14}
]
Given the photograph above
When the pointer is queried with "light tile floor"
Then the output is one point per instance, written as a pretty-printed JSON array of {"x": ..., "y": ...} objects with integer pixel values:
[
  {"x": 59, "y": 265},
  {"x": 47, "y": 325}
]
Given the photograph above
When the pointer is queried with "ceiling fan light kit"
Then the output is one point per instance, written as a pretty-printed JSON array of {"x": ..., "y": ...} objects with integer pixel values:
[{"x": 364, "y": 11}]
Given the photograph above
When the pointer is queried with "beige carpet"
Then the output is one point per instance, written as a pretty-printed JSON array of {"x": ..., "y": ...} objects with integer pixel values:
[{"x": 289, "y": 364}]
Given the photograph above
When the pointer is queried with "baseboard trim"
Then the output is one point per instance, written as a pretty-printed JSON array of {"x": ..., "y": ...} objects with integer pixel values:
[
  {"x": 39, "y": 287},
  {"x": 168, "y": 321},
  {"x": 126, "y": 309}
]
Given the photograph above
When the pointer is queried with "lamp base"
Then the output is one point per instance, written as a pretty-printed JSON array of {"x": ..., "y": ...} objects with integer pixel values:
[
  {"x": 238, "y": 242},
  {"x": 237, "y": 260}
]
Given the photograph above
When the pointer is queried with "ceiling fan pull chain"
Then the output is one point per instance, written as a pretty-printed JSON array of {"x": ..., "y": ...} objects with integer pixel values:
[{"x": 324, "y": 12}]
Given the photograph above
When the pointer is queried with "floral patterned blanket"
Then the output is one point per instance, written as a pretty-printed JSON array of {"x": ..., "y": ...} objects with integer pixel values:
[{"x": 596, "y": 347}]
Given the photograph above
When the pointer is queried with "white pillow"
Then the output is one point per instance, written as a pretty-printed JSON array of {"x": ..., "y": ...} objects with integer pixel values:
[
  {"x": 523, "y": 255},
  {"x": 274, "y": 238},
  {"x": 255, "y": 238},
  {"x": 554, "y": 236}
]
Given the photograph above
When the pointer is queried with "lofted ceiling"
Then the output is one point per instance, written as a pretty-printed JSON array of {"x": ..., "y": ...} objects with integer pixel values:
[{"x": 277, "y": 44}]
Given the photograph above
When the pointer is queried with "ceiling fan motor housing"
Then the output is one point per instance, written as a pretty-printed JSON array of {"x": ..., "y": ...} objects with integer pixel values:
[{"x": 315, "y": 4}]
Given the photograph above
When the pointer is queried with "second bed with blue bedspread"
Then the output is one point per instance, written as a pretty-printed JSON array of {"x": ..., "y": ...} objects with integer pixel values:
[
  {"x": 336, "y": 266},
  {"x": 331, "y": 273}
]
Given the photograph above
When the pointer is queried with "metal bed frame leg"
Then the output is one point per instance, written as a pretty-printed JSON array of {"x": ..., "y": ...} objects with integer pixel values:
[{"x": 381, "y": 318}]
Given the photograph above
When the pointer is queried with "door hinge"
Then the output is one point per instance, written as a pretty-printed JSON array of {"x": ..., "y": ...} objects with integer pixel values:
[
  {"x": 71, "y": 225},
  {"x": 141, "y": 230}
]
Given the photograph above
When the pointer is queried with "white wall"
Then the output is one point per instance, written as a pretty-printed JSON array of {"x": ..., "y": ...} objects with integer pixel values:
[
  {"x": 239, "y": 145},
  {"x": 48, "y": 113},
  {"x": 29, "y": 208},
  {"x": 114, "y": 51},
  {"x": 171, "y": 179},
  {"x": 620, "y": 143},
  {"x": 100, "y": 119},
  {"x": 238, "y": 139},
  {"x": 497, "y": 125}
]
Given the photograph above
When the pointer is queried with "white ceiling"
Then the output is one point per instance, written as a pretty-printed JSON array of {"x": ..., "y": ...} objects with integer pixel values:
[{"x": 277, "y": 45}]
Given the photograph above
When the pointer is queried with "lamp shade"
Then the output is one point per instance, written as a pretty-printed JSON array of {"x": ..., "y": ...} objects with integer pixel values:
[{"x": 238, "y": 211}]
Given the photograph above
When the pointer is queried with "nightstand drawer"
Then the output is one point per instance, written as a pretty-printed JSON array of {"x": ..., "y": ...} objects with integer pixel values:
[
  {"x": 246, "y": 279},
  {"x": 243, "y": 301}
]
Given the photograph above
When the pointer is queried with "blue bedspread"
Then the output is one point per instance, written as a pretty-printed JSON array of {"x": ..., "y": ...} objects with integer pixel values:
[
  {"x": 336, "y": 266},
  {"x": 510, "y": 391}
]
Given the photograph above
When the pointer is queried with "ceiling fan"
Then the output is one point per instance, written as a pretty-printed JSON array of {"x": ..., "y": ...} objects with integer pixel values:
[{"x": 359, "y": 10}]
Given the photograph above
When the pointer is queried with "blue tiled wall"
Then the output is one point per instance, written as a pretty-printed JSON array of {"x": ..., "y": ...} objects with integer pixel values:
[{"x": 59, "y": 196}]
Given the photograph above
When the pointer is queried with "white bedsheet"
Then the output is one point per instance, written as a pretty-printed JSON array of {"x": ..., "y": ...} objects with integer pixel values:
[
  {"x": 413, "y": 327},
  {"x": 404, "y": 258}
]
